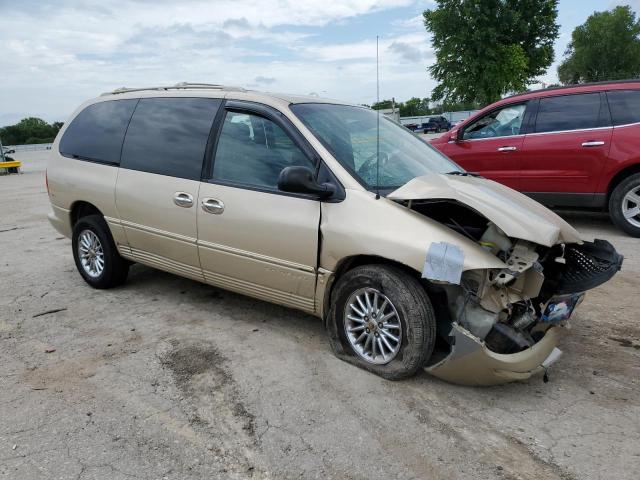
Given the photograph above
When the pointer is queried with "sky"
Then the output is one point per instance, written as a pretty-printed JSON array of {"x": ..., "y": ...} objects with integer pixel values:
[{"x": 57, "y": 54}]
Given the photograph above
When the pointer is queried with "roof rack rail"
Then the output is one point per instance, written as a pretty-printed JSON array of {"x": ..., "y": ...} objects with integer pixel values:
[{"x": 177, "y": 86}]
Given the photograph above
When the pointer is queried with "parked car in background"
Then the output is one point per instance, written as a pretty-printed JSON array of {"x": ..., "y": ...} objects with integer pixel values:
[
  {"x": 436, "y": 125},
  {"x": 576, "y": 146}
]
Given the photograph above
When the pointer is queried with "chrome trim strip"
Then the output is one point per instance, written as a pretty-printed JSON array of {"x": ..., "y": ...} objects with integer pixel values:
[
  {"x": 484, "y": 139},
  {"x": 536, "y": 134},
  {"x": 157, "y": 231},
  {"x": 256, "y": 256},
  {"x": 624, "y": 125}
]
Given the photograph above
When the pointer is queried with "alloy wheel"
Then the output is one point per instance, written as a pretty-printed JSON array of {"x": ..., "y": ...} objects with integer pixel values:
[
  {"x": 90, "y": 253},
  {"x": 372, "y": 326}
]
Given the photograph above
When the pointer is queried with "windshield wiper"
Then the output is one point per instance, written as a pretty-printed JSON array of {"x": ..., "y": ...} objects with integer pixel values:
[{"x": 463, "y": 174}]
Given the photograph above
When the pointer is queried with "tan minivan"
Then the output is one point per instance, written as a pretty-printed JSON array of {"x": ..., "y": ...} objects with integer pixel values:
[{"x": 329, "y": 208}]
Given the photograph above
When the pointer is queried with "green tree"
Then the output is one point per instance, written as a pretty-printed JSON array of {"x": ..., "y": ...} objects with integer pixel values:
[
  {"x": 605, "y": 47},
  {"x": 29, "y": 130},
  {"x": 487, "y": 48}
]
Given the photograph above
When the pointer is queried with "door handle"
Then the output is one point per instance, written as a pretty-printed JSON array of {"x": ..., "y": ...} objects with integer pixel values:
[
  {"x": 593, "y": 143},
  {"x": 183, "y": 199},
  {"x": 212, "y": 205},
  {"x": 507, "y": 149}
]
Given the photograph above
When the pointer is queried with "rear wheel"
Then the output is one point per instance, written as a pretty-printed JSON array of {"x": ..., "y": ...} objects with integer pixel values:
[
  {"x": 95, "y": 253},
  {"x": 381, "y": 319},
  {"x": 624, "y": 205}
]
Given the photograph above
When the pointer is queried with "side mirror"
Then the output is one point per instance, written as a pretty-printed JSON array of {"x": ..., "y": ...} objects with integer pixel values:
[
  {"x": 302, "y": 180},
  {"x": 455, "y": 136}
]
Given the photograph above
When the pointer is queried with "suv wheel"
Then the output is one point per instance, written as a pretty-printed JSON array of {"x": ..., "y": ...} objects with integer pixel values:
[
  {"x": 382, "y": 320},
  {"x": 624, "y": 205},
  {"x": 95, "y": 253}
]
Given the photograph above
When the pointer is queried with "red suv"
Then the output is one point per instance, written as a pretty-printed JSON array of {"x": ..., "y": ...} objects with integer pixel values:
[{"x": 573, "y": 146}]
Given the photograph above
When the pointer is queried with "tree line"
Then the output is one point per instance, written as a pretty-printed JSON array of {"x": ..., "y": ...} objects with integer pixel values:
[{"x": 28, "y": 131}]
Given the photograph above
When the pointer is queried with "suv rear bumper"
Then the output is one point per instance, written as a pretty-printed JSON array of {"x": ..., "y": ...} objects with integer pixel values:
[{"x": 60, "y": 220}]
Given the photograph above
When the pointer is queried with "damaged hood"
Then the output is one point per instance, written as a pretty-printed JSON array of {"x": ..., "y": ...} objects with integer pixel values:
[{"x": 517, "y": 215}]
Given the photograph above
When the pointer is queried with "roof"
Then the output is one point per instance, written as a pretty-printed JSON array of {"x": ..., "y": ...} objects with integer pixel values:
[
  {"x": 210, "y": 89},
  {"x": 591, "y": 86}
]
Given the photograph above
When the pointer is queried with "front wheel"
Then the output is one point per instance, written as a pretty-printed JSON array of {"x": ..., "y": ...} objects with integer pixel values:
[
  {"x": 624, "y": 205},
  {"x": 381, "y": 320},
  {"x": 95, "y": 253}
]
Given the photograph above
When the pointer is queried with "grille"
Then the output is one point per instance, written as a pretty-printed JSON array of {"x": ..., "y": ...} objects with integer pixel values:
[{"x": 588, "y": 265}]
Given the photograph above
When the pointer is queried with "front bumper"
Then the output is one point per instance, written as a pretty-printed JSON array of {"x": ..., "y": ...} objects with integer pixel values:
[{"x": 472, "y": 363}]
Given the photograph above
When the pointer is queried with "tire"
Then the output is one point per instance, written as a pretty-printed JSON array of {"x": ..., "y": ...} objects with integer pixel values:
[
  {"x": 630, "y": 186},
  {"x": 413, "y": 311},
  {"x": 114, "y": 268}
]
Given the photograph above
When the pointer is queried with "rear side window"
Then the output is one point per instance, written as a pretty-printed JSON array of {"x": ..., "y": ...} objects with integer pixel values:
[
  {"x": 624, "y": 106},
  {"x": 569, "y": 112},
  {"x": 97, "y": 132},
  {"x": 168, "y": 136},
  {"x": 253, "y": 151}
]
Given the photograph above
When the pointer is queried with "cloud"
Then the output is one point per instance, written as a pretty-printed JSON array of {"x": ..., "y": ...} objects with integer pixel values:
[
  {"x": 58, "y": 54},
  {"x": 407, "y": 51}
]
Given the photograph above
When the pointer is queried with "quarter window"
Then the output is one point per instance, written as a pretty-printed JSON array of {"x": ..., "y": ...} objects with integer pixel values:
[
  {"x": 97, "y": 132},
  {"x": 569, "y": 112},
  {"x": 168, "y": 136},
  {"x": 625, "y": 106},
  {"x": 504, "y": 122},
  {"x": 253, "y": 150}
]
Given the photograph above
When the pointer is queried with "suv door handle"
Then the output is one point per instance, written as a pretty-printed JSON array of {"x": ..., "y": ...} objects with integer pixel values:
[
  {"x": 183, "y": 199},
  {"x": 593, "y": 143},
  {"x": 212, "y": 205},
  {"x": 507, "y": 149}
]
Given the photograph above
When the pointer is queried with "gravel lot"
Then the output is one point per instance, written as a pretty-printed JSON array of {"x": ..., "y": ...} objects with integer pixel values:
[{"x": 168, "y": 378}]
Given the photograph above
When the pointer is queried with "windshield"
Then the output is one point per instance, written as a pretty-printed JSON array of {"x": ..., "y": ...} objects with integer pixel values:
[{"x": 351, "y": 135}]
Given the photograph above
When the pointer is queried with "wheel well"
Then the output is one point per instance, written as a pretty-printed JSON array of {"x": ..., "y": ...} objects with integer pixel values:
[
  {"x": 82, "y": 209},
  {"x": 619, "y": 177}
]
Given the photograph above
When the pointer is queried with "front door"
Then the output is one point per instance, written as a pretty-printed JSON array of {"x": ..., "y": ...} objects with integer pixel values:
[
  {"x": 252, "y": 238},
  {"x": 159, "y": 181},
  {"x": 491, "y": 146}
]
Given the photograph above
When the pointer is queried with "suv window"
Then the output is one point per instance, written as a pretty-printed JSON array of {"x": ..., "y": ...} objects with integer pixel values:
[
  {"x": 168, "y": 136},
  {"x": 97, "y": 132},
  {"x": 568, "y": 112},
  {"x": 503, "y": 122},
  {"x": 625, "y": 106},
  {"x": 253, "y": 150}
]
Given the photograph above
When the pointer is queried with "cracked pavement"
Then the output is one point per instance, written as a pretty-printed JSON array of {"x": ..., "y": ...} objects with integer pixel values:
[{"x": 168, "y": 378}]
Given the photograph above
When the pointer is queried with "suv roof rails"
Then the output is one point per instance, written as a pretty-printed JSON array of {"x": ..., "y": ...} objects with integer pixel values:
[
  {"x": 575, "y": 85},
  {"x": 177, "y": 86}
]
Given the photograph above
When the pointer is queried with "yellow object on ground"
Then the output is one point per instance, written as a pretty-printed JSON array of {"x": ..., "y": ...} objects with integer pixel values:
[{"x": 11, "y": 164}]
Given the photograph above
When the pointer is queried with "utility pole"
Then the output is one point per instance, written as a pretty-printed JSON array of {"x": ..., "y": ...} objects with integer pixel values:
[{"x": 1, "y": 151}]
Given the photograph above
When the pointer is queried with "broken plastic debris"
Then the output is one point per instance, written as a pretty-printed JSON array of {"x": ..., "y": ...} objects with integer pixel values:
[{"x": 444, "y": 262}]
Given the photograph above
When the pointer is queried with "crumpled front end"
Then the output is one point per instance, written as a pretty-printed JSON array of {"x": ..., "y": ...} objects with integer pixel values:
[
  {"x": 504, "y": 325},
  {"x": 501, "y": 324}
]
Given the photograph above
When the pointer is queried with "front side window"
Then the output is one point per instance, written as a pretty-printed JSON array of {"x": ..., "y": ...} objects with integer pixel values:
[
  {"x": 253, "y": 150},
  {"x": 625, "y": 106},
  {"x": 97, "y": 132},
  {"x": 503, "y": 122},
  {"x": 389, "y": 153},
  {"x": 168, "y": 136},
  {"x": 568, "y": 112}
]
